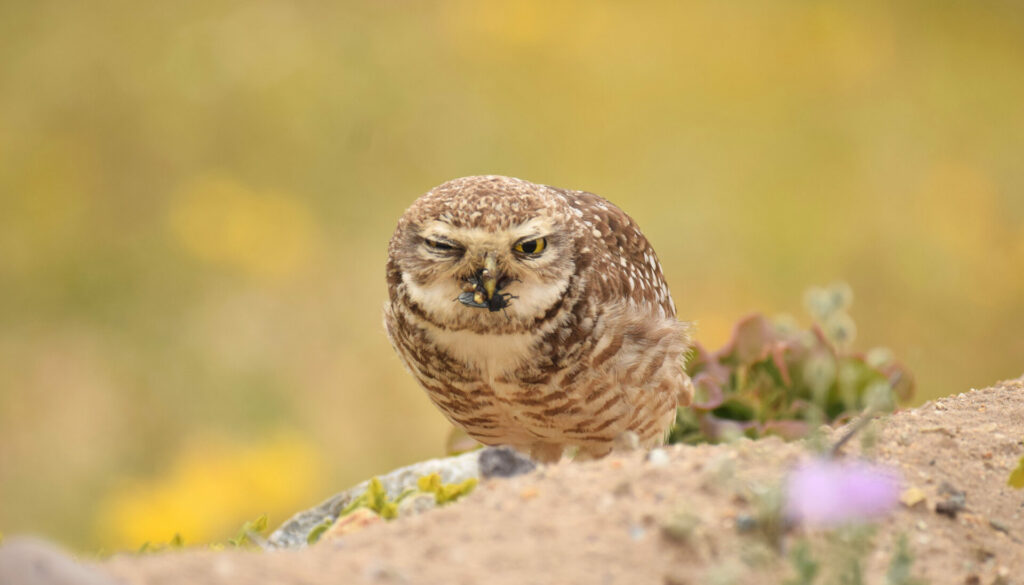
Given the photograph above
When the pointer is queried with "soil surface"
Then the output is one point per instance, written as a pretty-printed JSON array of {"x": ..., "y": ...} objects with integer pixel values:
[{"x": 687, "y": 515}]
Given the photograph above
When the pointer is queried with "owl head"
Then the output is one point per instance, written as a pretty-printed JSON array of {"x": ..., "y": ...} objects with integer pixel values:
[{"x": 484, "y": 253}]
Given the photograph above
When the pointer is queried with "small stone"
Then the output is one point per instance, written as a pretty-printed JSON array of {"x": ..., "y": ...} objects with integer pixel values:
[
  {"x": 504, "y": 462},
  {"x": 529, "y": 492},
  {"x": 999, "y": 526},
  {"x": 948, "y": 508},
  {"x": 354, "y": 521},
  {"x": 384, "y": 572},
  {"x": 745, "y": 523},
  {"x": 673, "y": 579},
  {"x": 679, "y": 527},
  {"x": 911, "y": 497},
  {"x": 657, "y": 458}
]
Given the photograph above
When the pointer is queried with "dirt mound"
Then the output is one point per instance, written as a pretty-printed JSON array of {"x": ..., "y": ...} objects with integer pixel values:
[{"x": 687, "y": 515}]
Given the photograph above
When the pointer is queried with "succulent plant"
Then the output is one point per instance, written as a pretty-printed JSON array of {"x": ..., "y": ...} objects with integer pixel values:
[{"x": 774, "y": 378}]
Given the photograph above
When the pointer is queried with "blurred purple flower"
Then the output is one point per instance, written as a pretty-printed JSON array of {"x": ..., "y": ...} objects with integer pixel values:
[{"x": 825, "y": 492}]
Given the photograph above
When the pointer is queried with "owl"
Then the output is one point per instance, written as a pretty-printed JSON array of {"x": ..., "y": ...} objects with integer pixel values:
[{"x": 535, "y": 317}]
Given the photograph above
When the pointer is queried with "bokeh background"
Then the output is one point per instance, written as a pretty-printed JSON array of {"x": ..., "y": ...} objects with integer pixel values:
[{"x": 196, "y": 197}]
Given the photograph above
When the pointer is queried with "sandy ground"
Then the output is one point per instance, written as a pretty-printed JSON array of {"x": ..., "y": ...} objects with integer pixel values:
[{"x": 687, "y": 518}]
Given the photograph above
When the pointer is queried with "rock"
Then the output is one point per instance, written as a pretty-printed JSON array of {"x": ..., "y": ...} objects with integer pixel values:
[
  {"x": 504, "y": 462},
  {"x": 31, "y": 561},
  {"x": 416, "y": 504},
  {"x": 294, "y": 532},
  {"x": 352, "y": 522}
]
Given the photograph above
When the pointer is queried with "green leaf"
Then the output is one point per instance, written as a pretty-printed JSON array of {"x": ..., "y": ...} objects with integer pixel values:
[
  {"x": 770, "y": 377},
  {"x": 735, "y": 409},
  {"x": 900, "y": 566},
  {"x": 318, "y": 530},
  {"x": 453, "y": 491},
  {"x": 243, "y": 537},
  {"x": 804, "y": 564},
  {"x": 1017, "y": 476},
  {"x": 445, "y": 493}
]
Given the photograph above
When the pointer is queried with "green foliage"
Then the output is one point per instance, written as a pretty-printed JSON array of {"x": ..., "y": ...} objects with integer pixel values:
[
  {"x": 319, "y": 530},
  {"x": 445, "y": 493},
  {"x": 1016, "y": 479},
  {"x": 901, "y": 564},
  {"x": 376, "y": 499},
  {"x": 773, "y": 378},
  {"x": 247, "y": 535},
  {"x": 804, "y": 564},
  {"x": 248, "y": 530},
  {"x": 176, "y": 542},
  {"x": 839, "y": 556}
]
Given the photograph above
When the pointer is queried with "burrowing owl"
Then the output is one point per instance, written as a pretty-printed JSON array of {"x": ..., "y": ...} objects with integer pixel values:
[{"x": 535, "y": 317}]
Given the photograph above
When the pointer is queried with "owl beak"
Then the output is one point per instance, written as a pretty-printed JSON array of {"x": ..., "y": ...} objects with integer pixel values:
[
  {"x": 489, "y": 275},
  {"x": 482, "y": 289}
]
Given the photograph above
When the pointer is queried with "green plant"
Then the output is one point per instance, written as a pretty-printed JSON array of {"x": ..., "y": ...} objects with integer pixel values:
[
  {"x": 176, "y": 542},
  {"x": 774, "y": 378},
  {"x": 445, "y": 492},
  {"x": 1016, "y": 479},
  {"x": 804, "y": 564},
  {"x": 901, "y": 564},
  {"x": 376, "y": 499},
  {"x": 249, "y": 533}
]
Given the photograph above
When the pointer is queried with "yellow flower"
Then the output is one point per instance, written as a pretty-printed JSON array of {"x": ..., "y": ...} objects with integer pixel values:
[{"x": 211, "y": 488}]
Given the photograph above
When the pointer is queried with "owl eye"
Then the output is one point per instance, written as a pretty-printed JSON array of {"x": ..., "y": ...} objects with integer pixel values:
[
  {"x": 440, "y": 245},
  {"x": 535, "y": 246}
]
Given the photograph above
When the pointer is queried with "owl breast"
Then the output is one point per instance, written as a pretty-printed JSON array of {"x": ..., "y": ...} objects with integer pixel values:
[{"x": 493, "y": 357}]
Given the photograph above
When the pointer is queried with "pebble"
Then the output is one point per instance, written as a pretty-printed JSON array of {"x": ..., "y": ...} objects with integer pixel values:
[
  {"x": 529, "y": 492},
  {"x": 504, "y": 462},
  {"x": 657, "y": 458},
  {"x": 912, "y": 496}
]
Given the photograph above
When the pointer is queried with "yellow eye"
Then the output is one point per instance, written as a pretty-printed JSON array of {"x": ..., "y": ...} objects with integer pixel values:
[{"x": 531, "y": 246}]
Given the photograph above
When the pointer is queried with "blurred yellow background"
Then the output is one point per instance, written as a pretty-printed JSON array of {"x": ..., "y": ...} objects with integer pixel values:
[{"x": 196, "y": 197}]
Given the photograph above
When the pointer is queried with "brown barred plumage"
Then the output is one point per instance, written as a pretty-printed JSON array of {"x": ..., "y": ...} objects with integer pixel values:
[{"x": 535, "y": 317}]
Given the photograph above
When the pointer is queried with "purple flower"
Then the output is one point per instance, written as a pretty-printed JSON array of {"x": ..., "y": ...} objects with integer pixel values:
[{"x": 824, "y": 492}]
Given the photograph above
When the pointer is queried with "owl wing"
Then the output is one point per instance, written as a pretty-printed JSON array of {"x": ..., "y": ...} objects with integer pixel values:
[{"x": 623, "y": 264}]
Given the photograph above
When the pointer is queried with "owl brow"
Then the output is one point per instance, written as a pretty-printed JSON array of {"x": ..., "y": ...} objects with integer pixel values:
[
  {"x": 441, "y": 240},
  {"x": 532, "y": 237}
]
